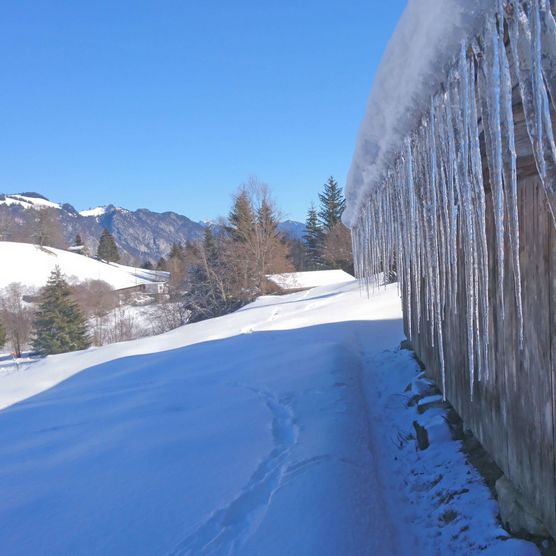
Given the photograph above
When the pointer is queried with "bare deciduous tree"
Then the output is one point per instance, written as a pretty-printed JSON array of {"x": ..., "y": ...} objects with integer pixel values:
[
  {"x": 95, "y": 297},
  {"x": 17, "y": 316},
  {"x": 337, "y": 248},
  {"x": 47, "y": 230}
]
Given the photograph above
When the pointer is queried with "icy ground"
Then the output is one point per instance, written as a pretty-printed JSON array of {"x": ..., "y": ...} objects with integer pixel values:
[{"x": 278, "y": 430}]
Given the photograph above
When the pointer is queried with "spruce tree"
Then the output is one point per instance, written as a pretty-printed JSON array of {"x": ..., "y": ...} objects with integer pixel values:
[
  {"x": 176, "y": 252},
  {"x": 313, "y": 240},
  {"x": 242, "y": 218},
  {"x": 332, "y": 204},
  {"x": 147, "y": 265},
  {"x": 78, "y": 241},
  {"x": 162, "y": 264},
  {"x": 107, "y": 250},
  {"x": 210, "y": 247},
  {"x": 59, "y": 324},
  {"x": 267, "y": 219}
]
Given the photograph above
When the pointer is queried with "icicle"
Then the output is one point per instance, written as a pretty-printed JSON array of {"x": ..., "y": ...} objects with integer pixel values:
[
  {"x": 548, "y": 38},
  {"x": 435, "y": 249},
  {"x": 480, "y": 222},
  {"x": 426, "y": 218},
  {"x": 492, "y": 82},
  {"x": 510, "y": 176},
  {"x": 526, "y": 48}
]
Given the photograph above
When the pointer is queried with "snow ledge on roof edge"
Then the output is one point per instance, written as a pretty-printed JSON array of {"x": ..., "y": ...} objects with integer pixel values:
[{"x": 417, "y": 59}]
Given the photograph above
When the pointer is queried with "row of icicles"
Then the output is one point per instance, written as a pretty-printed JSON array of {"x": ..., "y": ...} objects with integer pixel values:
[{"x": 427, "y": 219}]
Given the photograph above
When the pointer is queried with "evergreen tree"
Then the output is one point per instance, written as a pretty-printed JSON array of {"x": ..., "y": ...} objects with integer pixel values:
[
  {"x": 210, "y": 246},
  {"x": 147, "y": 265},
  {"x": 107, "y": 250},
  {"x": 242, "y": 218},
  {"x": 313, "y": 240},
  {"x": 210, "y": 282},
  {"x": 78, "y": 241},
  {"x": 59, "y": 324},
  {"x": 162, "y": 264},
  {"x": 176, "y": 252},
  {"x": 267, "y": 219},
  {"x": 332, "y": 204}
]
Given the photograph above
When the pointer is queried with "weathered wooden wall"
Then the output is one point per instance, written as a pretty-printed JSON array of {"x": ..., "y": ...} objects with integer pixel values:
[{"x": 513, "y": 412}]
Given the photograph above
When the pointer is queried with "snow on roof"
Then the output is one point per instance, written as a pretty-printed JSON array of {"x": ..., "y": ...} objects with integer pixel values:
[
  {"x": 27, "y": 202},
  {"x": 31, "y": 266},
  {"x": 311, "y": 279},
  {"x": 417, "y": 59}
]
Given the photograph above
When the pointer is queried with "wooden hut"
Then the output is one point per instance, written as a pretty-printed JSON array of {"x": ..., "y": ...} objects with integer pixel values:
[{"x": 470, "y": 229}]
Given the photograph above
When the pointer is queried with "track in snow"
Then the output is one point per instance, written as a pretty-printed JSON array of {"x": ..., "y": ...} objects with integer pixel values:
[{"x": 228, "y": 528}]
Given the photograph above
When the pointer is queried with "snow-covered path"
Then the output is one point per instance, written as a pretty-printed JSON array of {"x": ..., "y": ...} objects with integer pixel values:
[
  {"x": 247, "y": 434},
  {"x": 253, "y": 441}
]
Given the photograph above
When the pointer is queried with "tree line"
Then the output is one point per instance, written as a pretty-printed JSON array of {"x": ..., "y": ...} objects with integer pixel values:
[
  {"x": 209, "y": 277},
  {"x": 229, "y": 266}
]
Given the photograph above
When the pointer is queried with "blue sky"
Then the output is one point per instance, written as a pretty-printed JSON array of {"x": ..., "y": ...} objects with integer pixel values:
[{"x": 170, "y": 105}]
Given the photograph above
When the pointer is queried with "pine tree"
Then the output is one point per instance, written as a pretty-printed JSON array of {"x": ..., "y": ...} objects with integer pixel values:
[
  {"x": 107, "y": 249},
  {"x": 147, "y": 265},
  {"x": 242, "y": 218},
  {"x": 313, "y": 240},
  {"x": 210, "y": 282},
  {"x": 176, "y": 252},
  {"x": 210, "y": 246},
  {"x": 267, "y": 220},
  {"x": 332, "y": 204},
  {"x": 59, "y": 324},
  {"x": 78, "y": 241},
  {"x": 162, "y": 264}
]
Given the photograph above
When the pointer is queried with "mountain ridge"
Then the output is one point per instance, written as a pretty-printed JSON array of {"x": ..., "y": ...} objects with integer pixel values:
[{"x": 141, "y": 235}]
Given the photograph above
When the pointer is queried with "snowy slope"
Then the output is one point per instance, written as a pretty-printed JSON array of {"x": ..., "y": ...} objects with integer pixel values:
[
  {"x": 98, "y": 211},
  {"x": 309, "y": 279},
  {"x": 247, "y": 434},
  {"x": 27, "y": 201},
  {"x": 31, "y": 266}
]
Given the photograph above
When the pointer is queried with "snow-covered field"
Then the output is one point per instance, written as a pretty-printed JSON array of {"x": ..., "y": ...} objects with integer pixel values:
[
  {"x": 268, "y": 431},
  {"x": 310, "y": 279},
  {"x": 31, "y": 266}
]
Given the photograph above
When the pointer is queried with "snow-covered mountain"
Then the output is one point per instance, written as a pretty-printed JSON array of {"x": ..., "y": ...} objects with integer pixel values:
[
  {"x": 140, "y": 234},
  {"x": 292, "y": 229}
]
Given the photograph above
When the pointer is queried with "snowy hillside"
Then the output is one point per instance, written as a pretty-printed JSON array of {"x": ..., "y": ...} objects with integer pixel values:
[
  {"x": 30, "y": 265},
  {"x": 28, "y": 201},
  {"x": 267, "y": 431},
  {"x": 309, "y": 279},
  {"x": 94, "y": 212}
]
